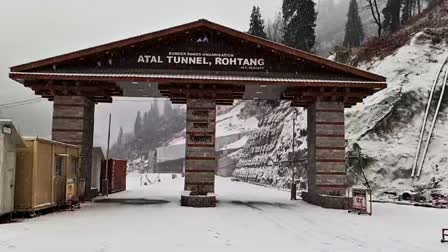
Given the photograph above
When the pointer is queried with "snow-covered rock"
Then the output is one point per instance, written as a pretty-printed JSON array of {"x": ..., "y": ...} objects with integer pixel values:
[{"x": 387, "y": 125}]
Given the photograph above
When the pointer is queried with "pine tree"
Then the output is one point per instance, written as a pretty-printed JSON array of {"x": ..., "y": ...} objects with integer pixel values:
[
  {"x": 354, "y": 32},
  {"x": 138, "y": 125},
  {"x": 257, "y": 23},
  {"x": 120, "y": 137},
  {"x": 391, "y": 15},
  {"x": 299, "y": 17},
  {"x": 274, "y": 30},
  {"x": 167, "y": 109},
  {"x": 407, "y": 10}
]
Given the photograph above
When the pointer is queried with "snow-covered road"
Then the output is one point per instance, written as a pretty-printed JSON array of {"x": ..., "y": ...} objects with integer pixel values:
[{"x": 247, "y": 218}]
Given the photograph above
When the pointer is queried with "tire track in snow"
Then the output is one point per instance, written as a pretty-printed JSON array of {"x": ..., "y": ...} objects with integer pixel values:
[
  {"x": 302, "y": 235},
  {"x": 304, "y": 228}
]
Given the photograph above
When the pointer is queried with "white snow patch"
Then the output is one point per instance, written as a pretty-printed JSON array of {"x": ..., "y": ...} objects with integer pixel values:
[{"x": 237, "y": 144}]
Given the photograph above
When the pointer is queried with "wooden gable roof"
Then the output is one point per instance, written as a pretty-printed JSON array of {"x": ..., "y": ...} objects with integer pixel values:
[{"x": 201, "y": 24}]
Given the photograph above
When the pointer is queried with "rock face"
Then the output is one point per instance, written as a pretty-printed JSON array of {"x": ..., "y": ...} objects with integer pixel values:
[
  {"x": 387, "y": 125},
  {"x": 264, "y": 157}
]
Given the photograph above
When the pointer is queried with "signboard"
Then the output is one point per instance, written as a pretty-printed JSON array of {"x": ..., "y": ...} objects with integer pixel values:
[
  {"x": 70, "y": 189},
  {"x": 212, "y": 60},
  {"x": 198, "y": 50},
  {"x": 360, "y": 201}
]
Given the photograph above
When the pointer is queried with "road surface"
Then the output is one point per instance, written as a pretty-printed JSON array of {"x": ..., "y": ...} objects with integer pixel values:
[{"x": 247, "y": 218}]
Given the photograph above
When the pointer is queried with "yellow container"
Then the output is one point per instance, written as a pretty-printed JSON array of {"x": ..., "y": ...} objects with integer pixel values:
[{"x": 43, "y": 169}]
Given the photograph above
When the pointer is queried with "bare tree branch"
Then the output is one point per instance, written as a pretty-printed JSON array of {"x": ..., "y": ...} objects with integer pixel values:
[{"x": 373, "y": 5}]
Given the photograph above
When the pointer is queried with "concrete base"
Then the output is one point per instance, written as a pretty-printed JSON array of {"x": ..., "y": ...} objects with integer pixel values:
[
  {"x": 327, "y": 201},
  {"x": 189, "y": 200}
]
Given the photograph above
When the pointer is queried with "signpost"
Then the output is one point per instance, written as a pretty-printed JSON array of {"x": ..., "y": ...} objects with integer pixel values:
[{"x": 361, "y": 201}]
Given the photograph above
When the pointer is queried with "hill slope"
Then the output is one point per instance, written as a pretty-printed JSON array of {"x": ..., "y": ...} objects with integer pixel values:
[{"x": 387, "y": 125}]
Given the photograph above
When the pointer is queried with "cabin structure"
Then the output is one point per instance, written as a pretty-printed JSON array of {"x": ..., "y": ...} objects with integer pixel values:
[
  {"x": 203, "y": 64},
  {"x": 47, "y": 175},
  {"x": 10, "y": 143}
]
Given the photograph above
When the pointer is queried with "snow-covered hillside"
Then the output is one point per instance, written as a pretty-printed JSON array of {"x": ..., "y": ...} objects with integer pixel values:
[
  {"x": 387, "y": 124},
  {"x": 233, "y": 122},
  {"x": 263, "y": 158}
]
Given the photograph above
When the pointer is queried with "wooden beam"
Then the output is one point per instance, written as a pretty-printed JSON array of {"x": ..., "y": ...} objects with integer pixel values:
[{"x": 372, "y": 85}]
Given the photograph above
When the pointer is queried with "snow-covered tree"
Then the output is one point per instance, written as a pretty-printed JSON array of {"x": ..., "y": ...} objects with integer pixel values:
[
  {"x": 354, "y": 32},
  {"x": 168, "y": 109},
  {"x": 138, "y": 125},
  {"x": 274, "y": 29},
  {"x": 120, "y": 137},
  {"x": 151, "y": 130},
  {"x": 257, "y": 23},
  {"x": 299, "y": 17}
]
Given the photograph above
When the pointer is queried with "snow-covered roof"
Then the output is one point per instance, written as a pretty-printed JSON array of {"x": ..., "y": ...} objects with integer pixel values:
[
  {"x": 237, "y": 144},
  {"x": 169, "y": 153},
  {"x": 230, "y": 123},
  {"x": 14, "y": 133}
]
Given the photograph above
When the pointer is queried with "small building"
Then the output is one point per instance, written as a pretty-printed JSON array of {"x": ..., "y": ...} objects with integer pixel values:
[
  {"x": 47, "y": 175},
  {"x": 95, "y": 179},
  {"x": 10, "y": 143},
  {"x": 171, "y": 159}
]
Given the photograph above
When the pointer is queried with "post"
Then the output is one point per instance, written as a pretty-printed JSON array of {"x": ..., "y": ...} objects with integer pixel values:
[
  {"x": 293, "y": 163},
  {"x": 200, "y": 154},
  {"x": 326, "y": 172},
  {"x": 73, "y": 123},
  {"x": 107, "y": 157}
]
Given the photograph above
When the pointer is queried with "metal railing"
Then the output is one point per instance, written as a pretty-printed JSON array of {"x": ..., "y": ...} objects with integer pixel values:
[{"x": 417, "y": 167}]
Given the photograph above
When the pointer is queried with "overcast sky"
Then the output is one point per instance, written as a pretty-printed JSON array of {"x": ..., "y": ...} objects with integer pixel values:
[{"x": 32, "y": 30}]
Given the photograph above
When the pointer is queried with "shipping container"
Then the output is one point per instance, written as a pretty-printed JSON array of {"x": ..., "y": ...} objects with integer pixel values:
[
  {"x": 117, "y": 170},
  {"x": 47, "y": 175},
  {"x": 10, "y": 143}
]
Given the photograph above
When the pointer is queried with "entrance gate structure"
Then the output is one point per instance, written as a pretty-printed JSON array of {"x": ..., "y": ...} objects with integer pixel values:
[{"x": 204, "y": 64}]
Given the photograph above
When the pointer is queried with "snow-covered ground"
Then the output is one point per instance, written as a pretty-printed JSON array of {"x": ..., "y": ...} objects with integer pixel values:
[{"x": 247, "y": 218}]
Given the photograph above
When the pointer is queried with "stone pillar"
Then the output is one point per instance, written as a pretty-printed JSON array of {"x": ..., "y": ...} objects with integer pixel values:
[
  {"x": 327, "y": 179},
  {"x": 73, "y": 122},
  {"x": 200, "y": 154}
]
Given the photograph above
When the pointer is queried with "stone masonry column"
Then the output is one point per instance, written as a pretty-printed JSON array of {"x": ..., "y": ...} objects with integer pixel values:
[
  {"x": 200, "y": 154},
  {"x": 327, "y": 179},
  {"x": 73, "y": 122}
]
